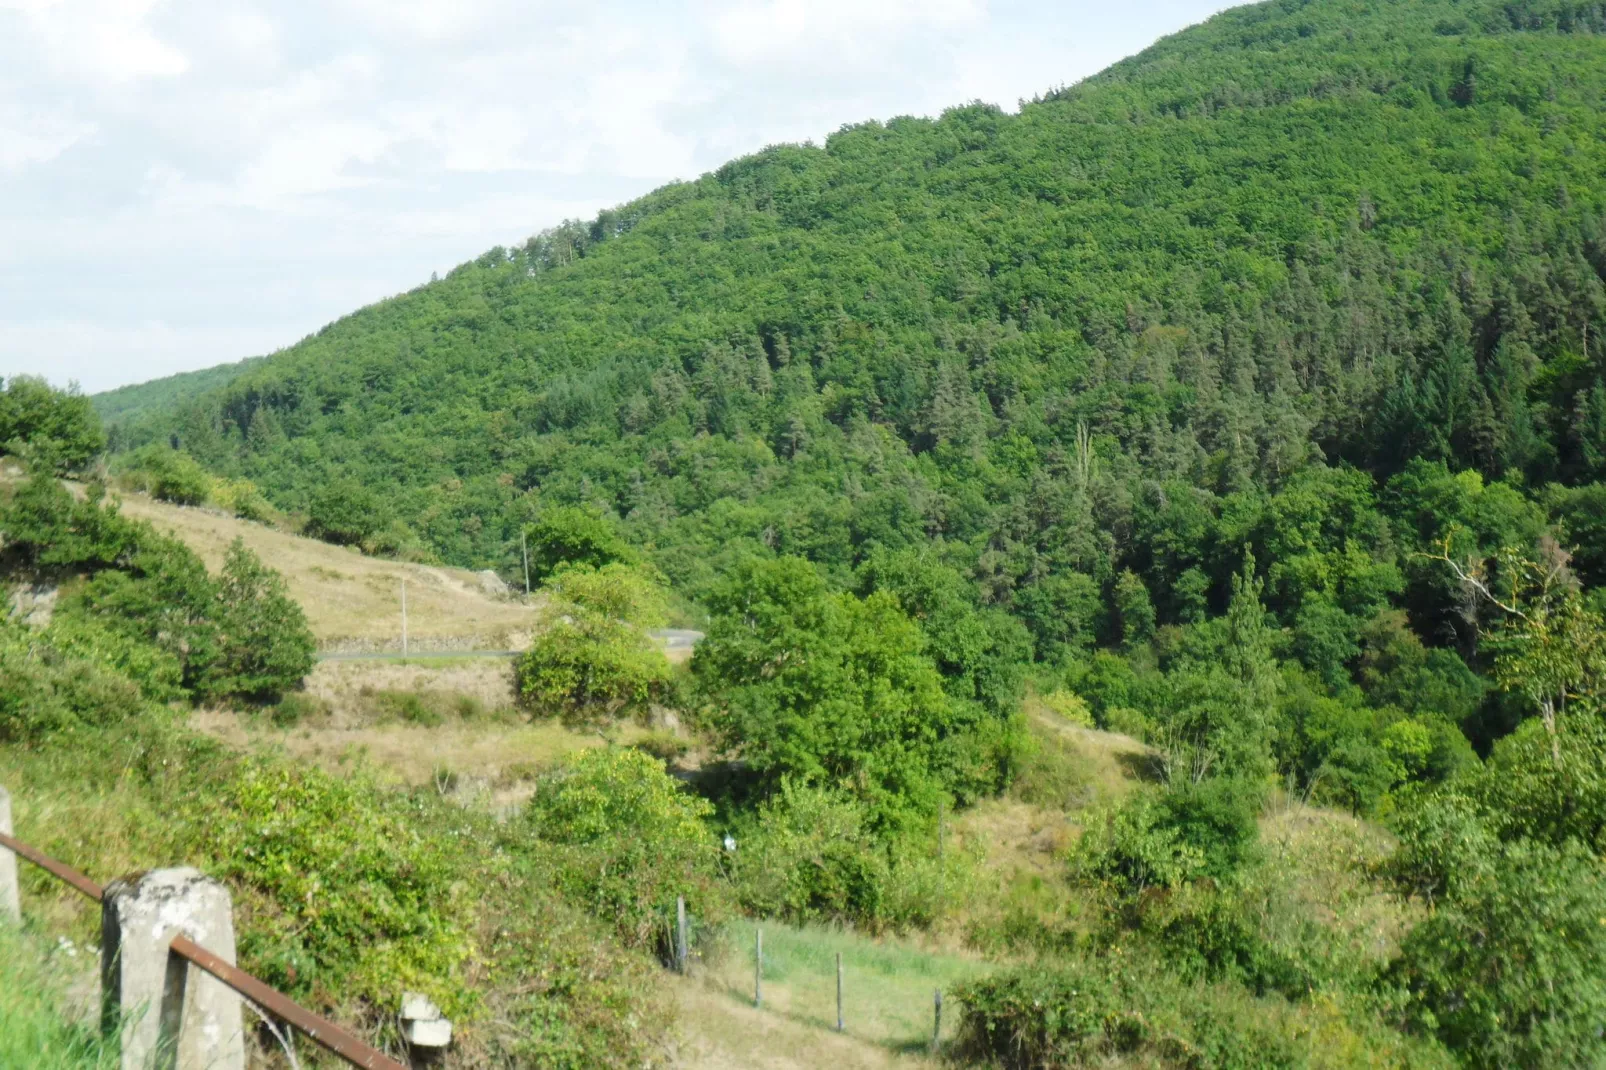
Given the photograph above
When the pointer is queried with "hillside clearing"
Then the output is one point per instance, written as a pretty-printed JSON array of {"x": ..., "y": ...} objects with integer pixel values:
[{"x": 353, "y": 601}]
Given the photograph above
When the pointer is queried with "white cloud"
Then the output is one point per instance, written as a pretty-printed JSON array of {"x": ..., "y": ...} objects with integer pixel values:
[
  {"x": 757, "y": 32},
  {"x": 184, "y": 182},
  {"x": 99, "y": 40}
]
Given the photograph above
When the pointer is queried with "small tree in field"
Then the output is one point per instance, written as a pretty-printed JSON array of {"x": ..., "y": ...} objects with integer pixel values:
[
  {"x": 263, "y": 646},
  {"x": 593, "y": 663}
]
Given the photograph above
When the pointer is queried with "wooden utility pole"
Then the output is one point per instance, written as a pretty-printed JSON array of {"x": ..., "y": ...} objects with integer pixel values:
[
  {"x": 524, "y": 552},
  {"x": 680, "y": 933},
  {"x": 839, "y": 1024},
  {"x": 936, "y": 1022},
  {"x": 404, "y": 616}
]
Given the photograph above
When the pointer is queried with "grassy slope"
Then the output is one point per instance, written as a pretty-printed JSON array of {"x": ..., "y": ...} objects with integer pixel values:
[{"x": 346, "y": 595}]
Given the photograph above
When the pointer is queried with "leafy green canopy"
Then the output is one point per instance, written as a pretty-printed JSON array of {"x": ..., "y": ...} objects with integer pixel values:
[
  {"x": 839, "y": 691},
  {"x": 592, "y": 662},
  {"x": 56, "y": 430},
  {"x": 1367, "y": 226}
]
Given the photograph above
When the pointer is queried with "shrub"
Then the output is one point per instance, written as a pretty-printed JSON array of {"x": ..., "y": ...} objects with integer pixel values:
[
  {"x": 157, "y": 672},
  {"x": 168, "y": 475},
  {"x": 345, "y": 512},
  {"x": 58, "y": 431},
  {"x": 295, "y": 707},
  {"x": 809, "y": 854},
  {"x": 1089, "y": 1012},
  {"x": 592, "y": 662},
  {"x": 1133, "y": 849},
  {"x": 46, "y": 693},
  {"x": 352, "y": 889},
  {"x": 242, "y": 498},
  {"x": 409, "y": 707},
  {"x": 1510, "y": 968},
  {"x": 263, "y": 646},
  {"x": 1164, "y": 839},
  {"x": 48, "y": 529},
  {"x": 149, "y": 604},
  {"x": 1205, "y": 934},
  {"x": 630, "y": 839},
  {"x": 1069, "y": 707}
]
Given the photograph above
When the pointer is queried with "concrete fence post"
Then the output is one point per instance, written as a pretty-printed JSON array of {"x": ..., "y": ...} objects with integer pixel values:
[
  {"x": 170, "y": 1017},
  {"x": 10, "y": 900}
]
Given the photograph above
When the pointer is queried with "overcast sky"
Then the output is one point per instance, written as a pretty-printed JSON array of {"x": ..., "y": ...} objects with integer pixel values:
[{"x": 191, "y": 182}]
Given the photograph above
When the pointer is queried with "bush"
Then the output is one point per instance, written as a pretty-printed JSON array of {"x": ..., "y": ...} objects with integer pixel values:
[
  {"x": 630, "y": 840},
  {"x": 1093, "y": 1012},
  {"x": 567, "y": 535},
  {"x": 354, "y": 892},
  {"x": 149, "y": 603},
  {"x": 296, "y": 707},
  {"x": 1168, "y": 838},
  {"x": 242, "y": 498},
  {"x": 1510, "y": 968},
  {"x": 57, "y": 431},
  {"x": 263, "y": 646},
  {"x": 47, "y": 529},
  {"x": 157, "y": 672},
  {"x": 345, "y": 512},
  {"x": 168, "y": 475},
  {"x": 46, "y": 693},
  {"x": 592, "y": 663},
  {"x": 1205, "y": 934},
  {"x": 809, "y": 854}
]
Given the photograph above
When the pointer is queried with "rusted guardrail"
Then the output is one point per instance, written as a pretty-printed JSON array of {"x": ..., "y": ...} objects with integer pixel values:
[{"x": 317, "y": 1029}]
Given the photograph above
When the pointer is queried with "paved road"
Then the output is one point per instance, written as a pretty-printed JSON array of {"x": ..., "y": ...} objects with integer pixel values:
[
  {"x": 677, "y": 638},
  {"x": 419, "y": 655},
  {"x": 672, "y": 638}
]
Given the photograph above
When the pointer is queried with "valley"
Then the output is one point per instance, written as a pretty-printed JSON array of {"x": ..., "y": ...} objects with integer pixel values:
[{"x": 1135, "y": 564}]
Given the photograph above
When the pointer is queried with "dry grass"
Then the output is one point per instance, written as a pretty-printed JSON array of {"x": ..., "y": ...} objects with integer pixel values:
[
  {"x": 1329, "y": 859},
  {"x": 346, "y": 595},
  {"x": 490, "y": 757},
  {"x": 1023, "y": 881}
]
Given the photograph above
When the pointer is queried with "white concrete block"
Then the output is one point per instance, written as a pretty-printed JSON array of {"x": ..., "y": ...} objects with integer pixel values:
[
  {"x": 171, "y": 1014},
  {"x": 10, "y": 901}
]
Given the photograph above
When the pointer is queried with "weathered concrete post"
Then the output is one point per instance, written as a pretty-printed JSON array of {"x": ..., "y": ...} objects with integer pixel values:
[
  {"x": 10, "y": 902},
  {"x": 170, "y": 1016}
]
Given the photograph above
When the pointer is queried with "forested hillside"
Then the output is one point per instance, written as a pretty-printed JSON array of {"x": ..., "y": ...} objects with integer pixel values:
[
  {"x": 1351, "y": 232},
  {"x": 1248, "y": 399}
]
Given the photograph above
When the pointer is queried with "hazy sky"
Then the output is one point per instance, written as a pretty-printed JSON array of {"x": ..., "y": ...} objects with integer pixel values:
[{"x": 191, "y": 182}]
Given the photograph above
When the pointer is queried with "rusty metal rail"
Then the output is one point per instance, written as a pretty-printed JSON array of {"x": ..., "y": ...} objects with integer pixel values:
[
  {"x": 59, "y": 870},
  {"x": 317, "y": 1029}
]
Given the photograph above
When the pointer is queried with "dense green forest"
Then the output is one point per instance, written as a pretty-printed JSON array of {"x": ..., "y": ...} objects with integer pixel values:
[
  {"x": 1301, "y": 234},
  {"x": 1248, "y": 398}
]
